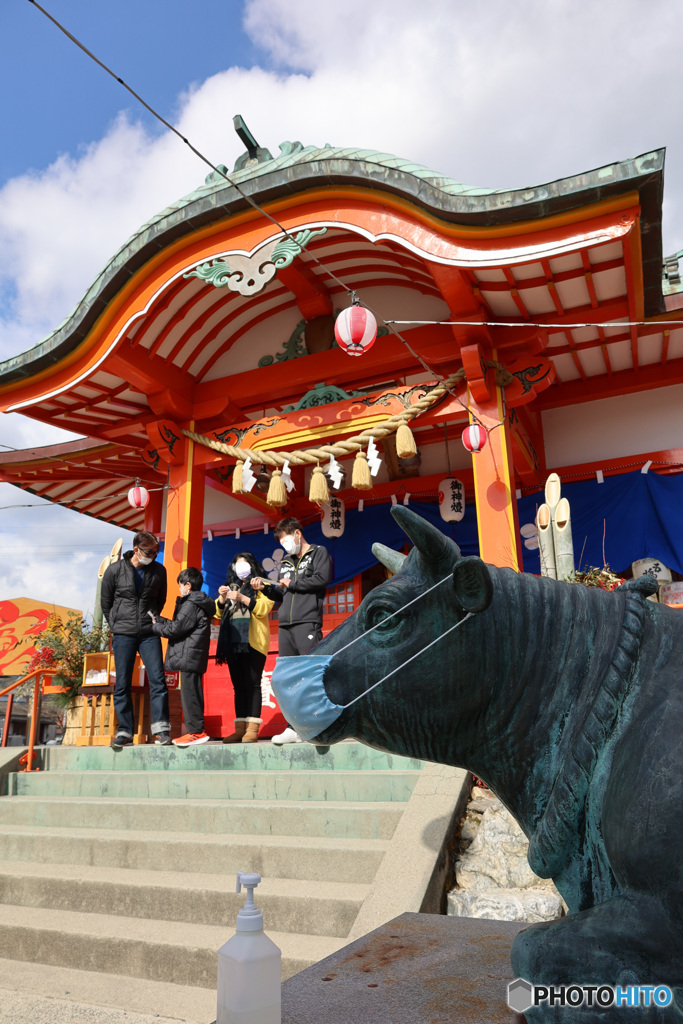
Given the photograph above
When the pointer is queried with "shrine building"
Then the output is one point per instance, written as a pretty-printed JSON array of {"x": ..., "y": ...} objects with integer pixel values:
[{"x": 550, "y": 312}]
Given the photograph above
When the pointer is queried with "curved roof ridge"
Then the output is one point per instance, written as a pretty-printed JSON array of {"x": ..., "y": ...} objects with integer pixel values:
[{"x": 300, "y": 167}]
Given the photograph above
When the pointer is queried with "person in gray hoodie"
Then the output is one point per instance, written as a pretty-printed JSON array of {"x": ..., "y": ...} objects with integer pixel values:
[{"x": 189, "y": 634}]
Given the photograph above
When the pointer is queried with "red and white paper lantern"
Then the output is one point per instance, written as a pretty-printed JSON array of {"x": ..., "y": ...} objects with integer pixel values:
[
  {"x": 355, "y": 330},
  {"x": 138, "y": 497},
  {"x": 474, "y": 438}
]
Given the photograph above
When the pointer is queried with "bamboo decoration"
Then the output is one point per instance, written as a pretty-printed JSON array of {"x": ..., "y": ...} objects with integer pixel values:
[
  {"x": 277, "y": 492},
  {"x": 554, "y": 527},
  {"x": 108, "y": 560},
  {"x": 546, "y": 546},
  {"x": 319, "y": 492},
  {"x": 553, "y": 489},
  {"x": 562, "y": 538}
]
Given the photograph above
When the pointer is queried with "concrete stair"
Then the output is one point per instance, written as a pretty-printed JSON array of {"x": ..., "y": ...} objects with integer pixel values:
[{"x": 120, "y": 865}]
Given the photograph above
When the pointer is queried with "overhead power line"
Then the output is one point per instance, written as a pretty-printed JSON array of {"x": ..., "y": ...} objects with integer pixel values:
[
  {"x": 302, "y": 247},
  {"x": 247, "y": 198}
]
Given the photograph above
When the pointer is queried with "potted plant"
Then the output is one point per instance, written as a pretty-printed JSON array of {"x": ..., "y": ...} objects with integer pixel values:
[{"x": 63, "y": 646}]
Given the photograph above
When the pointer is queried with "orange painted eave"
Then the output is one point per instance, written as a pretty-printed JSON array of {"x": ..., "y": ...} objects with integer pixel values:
[{"x": 375, "y": 212}]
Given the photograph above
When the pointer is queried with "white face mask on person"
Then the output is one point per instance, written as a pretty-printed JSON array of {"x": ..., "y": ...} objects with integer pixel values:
[
  {"x": 142, "y": 560},
  {"x": 290, "y": 544},
  {"x": 242, "y": 570}
]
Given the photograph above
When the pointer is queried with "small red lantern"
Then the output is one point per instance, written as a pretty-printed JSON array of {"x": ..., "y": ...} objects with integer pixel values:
[
  {"x": 474, "y": 437},
  {"x": 355, "y": 330},
  {"x": 138, "y": 497}
]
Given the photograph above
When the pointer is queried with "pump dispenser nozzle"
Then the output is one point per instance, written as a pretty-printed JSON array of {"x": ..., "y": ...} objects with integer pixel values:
[{"x": 249, "y": 918}]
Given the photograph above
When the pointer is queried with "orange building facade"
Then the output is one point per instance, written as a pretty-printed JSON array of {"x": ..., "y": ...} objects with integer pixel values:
[{"x": 215, "y": 322}]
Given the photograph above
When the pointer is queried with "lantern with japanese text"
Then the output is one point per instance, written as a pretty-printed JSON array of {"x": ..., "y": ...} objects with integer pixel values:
[
  {"x": 474, "y": 437},
  {"x": 334, "y": 516},
  {"x": 451, "y": 500},
  {"x": 355, "y": 330},
  {"x": 138, "y": 497}
]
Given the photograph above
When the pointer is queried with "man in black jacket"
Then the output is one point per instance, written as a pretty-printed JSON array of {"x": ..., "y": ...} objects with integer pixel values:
[
  {"x": 131, "y": 589},
  {"x": 189, "y": 635},
  {"x": 304, "y": 574}
]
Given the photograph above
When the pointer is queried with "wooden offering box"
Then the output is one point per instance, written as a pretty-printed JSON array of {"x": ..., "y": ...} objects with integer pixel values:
[{"x": 95, "y": 709}]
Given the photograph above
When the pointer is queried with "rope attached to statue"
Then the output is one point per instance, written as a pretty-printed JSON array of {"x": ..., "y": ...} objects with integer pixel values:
[{"x": 361, "y": 480}]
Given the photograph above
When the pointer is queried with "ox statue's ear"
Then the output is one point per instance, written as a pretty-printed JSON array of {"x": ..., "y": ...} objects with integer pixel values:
[
  {"x": 472, "y": 584},
  {"x": 434, "y": 547}
]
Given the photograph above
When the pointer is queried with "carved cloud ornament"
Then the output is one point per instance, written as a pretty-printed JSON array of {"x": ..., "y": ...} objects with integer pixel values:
[{"x": 250, "y": 274}]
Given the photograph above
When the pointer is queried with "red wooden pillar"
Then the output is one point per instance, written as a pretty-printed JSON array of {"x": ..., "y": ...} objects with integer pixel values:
[
  {"x": 184, "y": 516},
  {"x": 494, "y": 482},
  {"x": 154, "y": 512}
]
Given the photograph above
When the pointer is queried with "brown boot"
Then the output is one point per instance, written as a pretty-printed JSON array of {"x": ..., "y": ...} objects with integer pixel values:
[
  {"x": 251, "y": 735},
  {"x": 240, "y": 729}
]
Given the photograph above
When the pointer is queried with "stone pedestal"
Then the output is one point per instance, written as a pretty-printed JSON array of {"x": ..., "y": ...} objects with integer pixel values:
[{"x": 417, "y": 969}]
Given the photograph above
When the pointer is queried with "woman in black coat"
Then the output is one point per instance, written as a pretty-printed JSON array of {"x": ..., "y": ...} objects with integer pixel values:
[
  {"x": 243, "y": 642},
  {"x": 189, "y": 633}
]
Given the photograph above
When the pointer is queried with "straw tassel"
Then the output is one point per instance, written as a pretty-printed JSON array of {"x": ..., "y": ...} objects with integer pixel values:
[
  {"x": 237, "y": 478},
  {"x": 405, "y": 442},
  {"x": 362, "y": 481},
  {"x": 319, "y": 491},
  {"x": 277, "y": 492}
]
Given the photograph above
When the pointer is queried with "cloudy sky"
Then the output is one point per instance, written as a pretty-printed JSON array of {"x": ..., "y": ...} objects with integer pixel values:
[{"x": 494, "y": 93}]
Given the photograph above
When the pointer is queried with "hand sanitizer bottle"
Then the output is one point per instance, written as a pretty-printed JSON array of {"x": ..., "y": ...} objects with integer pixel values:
[{"x": 249, "y": 966}]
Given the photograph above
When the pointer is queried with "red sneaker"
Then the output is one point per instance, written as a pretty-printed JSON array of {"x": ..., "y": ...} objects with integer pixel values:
[{"x": 191, "y": 739}]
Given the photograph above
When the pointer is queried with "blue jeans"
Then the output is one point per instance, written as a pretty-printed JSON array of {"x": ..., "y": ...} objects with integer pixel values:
[{"x": 125, "y": 649}]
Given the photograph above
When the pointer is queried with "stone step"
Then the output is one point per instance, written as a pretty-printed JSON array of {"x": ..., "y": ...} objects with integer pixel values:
[
  {"x": 156, "y": 950},
  {"x": 288, "y": 905},
  {"x": 264, "y": 755},
  {"x": 334, "y": 819},
  {"x": 316, "y": 859},
  {"x": 39, "y": 992},
  {"x": 380, "y": 785}
]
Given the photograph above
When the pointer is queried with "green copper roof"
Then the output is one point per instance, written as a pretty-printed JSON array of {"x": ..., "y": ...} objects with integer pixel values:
[{"x": 299, "y": 168}]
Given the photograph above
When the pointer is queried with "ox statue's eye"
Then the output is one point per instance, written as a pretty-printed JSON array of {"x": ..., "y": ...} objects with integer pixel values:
[{"x": 380, "y": 614}]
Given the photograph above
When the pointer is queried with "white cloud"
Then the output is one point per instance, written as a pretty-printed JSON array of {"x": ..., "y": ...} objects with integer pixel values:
[
  {"x": 495, "y": 95},
  {"x": 51, "y": 553}
]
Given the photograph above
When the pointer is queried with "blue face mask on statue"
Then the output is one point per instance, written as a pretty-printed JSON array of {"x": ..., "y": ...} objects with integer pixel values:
[
  {"x": 298, "y": 685},
  {"x": 298, "y": 681}
]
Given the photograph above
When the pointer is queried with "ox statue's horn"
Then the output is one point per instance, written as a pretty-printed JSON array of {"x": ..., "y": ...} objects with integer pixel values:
[
  {"x": 390, "y": 559},
  {"x": 432, "y": 544}
]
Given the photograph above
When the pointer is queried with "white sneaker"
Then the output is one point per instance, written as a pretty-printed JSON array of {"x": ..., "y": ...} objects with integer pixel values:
[{"x": 288, "y": 736}]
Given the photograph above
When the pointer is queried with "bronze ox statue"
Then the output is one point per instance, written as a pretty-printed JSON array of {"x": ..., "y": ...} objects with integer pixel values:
[{"x": 567, "y": 701}]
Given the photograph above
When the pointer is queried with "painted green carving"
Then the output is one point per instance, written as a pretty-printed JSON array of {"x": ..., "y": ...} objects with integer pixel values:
[
  {"x": 239, "y": 434},
  {"x": 404, "y": 397},
  {"x": 323, "y": 394},
  {"x": 288, "y": 249},
  {"x": 217, "y": 273},
  {"x": 294, "y": 348}
]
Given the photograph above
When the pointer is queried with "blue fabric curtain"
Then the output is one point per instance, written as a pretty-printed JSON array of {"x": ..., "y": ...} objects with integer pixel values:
[
  {"x": 351, "y": 554},
  {"x": 641, "y": 516}
]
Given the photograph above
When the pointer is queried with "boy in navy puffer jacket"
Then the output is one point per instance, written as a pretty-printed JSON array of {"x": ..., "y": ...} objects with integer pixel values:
[{"x": 189, "y": 633}]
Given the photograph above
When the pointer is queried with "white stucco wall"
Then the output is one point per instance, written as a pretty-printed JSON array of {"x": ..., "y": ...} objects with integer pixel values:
[{"x": 614, "y": 427}]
